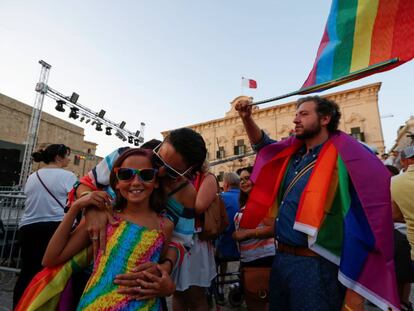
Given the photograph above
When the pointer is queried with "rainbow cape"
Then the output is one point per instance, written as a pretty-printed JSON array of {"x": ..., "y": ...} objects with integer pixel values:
[
  {"x": 362, "y": 37},
  {"x": 345, "y": 210},
  {"x": 47, "y": 290}
]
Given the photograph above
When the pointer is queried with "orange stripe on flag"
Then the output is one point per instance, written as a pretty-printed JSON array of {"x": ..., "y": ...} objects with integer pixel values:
[{"x": 315, "y": 194}]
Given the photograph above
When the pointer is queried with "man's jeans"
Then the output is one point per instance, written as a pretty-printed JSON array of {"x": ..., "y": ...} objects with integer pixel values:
[{"x": 304, "y": 283}]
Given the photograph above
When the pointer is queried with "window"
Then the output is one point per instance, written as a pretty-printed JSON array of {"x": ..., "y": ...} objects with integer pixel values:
[
  {"x": 220, "y": 153},
  {"x": 357, "y": 134},
  {"x": 220, "y": 176},
  {"x": 240, "y": 148},
  {"x": 76, "y": 160}
]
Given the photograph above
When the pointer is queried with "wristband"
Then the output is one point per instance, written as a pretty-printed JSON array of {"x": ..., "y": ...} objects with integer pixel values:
[{"x": 347, "y": 307}]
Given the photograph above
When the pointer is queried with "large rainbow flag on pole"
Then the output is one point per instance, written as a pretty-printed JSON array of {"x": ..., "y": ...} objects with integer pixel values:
[{"x": 361, "y": 38}]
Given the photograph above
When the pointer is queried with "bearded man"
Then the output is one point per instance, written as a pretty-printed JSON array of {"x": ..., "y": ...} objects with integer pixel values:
[{"x": 331, "y": 199}]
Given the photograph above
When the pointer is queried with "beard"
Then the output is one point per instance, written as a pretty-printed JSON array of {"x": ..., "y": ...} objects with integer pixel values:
[{"x": 309, "y": 132}]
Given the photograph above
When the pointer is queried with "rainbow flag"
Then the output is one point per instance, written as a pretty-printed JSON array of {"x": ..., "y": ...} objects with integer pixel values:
[
  {"x": 345, "y": 210},
  {"x": 47, "y": 288},
  {"x": 362, "y": 37}
]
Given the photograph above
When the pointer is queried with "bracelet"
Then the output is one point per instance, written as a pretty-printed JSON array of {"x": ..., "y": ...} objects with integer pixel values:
[
  {"x": 85, "y": 193},
  {"x": 347, "y": 307}
]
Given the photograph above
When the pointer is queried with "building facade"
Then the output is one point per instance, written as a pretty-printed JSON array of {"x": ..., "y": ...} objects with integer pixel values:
[
  {"x": 226, "y": 137},
  {"x": 405, "y": 135},
  {"x": 14, "y": 120}
]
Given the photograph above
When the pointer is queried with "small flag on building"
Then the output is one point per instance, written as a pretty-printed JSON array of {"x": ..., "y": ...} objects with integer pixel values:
[{"x": 251, "y": 84}]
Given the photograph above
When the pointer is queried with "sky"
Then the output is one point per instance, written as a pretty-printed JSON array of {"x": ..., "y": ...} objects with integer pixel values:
[{"x": 172, "y": 63}]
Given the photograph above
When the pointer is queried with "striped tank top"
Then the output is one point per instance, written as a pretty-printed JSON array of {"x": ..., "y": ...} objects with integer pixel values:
[
  {"x": 253, "y": 249},
  {"x": 128, "y": 244}
]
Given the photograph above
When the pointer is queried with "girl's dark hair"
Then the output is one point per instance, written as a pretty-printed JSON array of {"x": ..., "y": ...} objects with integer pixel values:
[
  {"x": 243, "y": 195},
  {"x": 49, "y": 154},
  {"x": 158, "y": 196},
  {"x": 190, "y": 145},
  {"x": 151, "y": 144}
]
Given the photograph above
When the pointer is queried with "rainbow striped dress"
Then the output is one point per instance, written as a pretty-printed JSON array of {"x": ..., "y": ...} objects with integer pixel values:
[{"x": 128, "y": 244}]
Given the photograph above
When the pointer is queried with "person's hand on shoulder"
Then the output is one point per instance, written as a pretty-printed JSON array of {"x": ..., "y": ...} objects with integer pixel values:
[{"x": 97, "y": 216}]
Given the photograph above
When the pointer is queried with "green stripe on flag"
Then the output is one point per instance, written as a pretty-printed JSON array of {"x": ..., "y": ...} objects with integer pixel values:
[
  {"x": 330, "y": 235},
  {"x": 345, "y": 28}
]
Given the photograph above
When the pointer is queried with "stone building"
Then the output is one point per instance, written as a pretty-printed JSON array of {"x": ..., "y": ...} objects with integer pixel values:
[
  {"x": 405, "y": 135},
  {"x": 226, "y": 137},
  {"x": 14, "y": 120}
]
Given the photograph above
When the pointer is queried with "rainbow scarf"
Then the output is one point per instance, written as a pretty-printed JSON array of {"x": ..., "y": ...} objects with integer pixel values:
[
  {"x": 46, "y": 291},
  {"x": 359, "y": 35},
  {"x": 345, "y": 210}
]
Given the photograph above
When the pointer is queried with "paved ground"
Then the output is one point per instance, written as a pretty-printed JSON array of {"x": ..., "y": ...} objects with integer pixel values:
[{"x": 8, "y": 279}]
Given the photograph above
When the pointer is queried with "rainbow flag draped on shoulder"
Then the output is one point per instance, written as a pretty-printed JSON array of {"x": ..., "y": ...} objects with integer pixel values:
[
  {"x": 345, "y": 210},
  {"x": 362, "y": 37}
]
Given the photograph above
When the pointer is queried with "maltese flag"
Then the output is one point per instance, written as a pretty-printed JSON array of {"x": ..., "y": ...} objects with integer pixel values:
[{"x": 251, "y": 84}]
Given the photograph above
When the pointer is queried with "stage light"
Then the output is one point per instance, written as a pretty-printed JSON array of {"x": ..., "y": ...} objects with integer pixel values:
[
  {"x": 101, "y": 113},
  {"x": 108, "y": 131},
  {"x": 130, "y": 139},
  {"x": 59, "y": 105},
  {"x": 74, "y": 98},
  {"x": 93, "y": 123},
  {"x": 74, "y": 113},
  {"x": 136, "y": 142},
  {"x": 98, "y": 127},
  {"x": 87, "y": 121},
  {"x": 82, "y": 118},
  {"x": 137, "y": 133},
  {"x": 120, "y": 136},
  {"x": 122, "y": 125}
]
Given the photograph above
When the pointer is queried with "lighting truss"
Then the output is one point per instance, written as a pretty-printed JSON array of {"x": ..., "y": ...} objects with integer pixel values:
[{"x": 97, "y": 117}]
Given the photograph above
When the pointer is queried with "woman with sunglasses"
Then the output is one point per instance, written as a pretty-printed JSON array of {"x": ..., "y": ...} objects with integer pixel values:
[
  {"x": 178, "y": 157},
  {"x": 257, "y": 247},
  {"x": 140, "y": 235},
  {"x": 44, "y": 210}
]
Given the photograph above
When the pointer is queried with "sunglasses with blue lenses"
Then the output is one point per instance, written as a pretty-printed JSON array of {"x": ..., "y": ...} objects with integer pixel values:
[{"x": 128, "y": 174}]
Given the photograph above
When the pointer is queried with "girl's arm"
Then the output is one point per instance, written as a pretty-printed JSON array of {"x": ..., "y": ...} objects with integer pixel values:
[
  {"x": 206, "y": 194},
  {"x": 66, "y": 243}
]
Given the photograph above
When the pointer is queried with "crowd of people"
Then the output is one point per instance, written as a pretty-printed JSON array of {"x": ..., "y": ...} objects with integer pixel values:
[{"x": 311, "y": 223}]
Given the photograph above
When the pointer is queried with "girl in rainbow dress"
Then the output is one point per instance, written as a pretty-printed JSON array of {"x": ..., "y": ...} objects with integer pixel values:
[{"x": 138, "y": 236}]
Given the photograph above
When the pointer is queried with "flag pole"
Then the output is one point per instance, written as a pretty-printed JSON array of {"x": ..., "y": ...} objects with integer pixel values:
[
  {"x": 333, "y": 83},
  {"x": 242, "y": 86}
]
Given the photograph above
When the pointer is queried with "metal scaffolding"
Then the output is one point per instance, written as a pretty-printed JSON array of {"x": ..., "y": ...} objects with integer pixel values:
[
  {"x": 97, "y": 118},
  {"x": 31, "y": 140}
]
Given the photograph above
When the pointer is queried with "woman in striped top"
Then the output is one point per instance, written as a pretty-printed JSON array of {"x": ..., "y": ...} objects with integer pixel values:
[{"x": 257, "y": 247}]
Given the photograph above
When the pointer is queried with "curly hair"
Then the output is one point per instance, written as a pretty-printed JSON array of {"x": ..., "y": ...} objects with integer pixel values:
[
  {"x": 324, "y": 107},
  {"x": 158, "y": 196}
]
